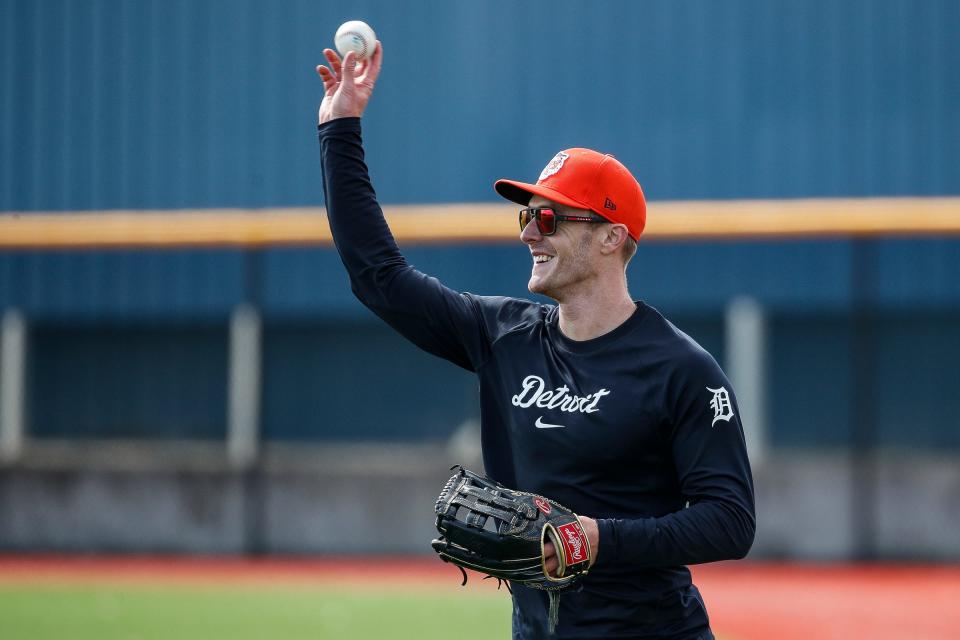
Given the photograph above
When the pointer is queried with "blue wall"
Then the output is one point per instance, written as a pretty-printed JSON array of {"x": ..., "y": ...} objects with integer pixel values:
[
  {"x": 192, "y": 103},
  {"x": 910, "y": 274},
  {"x": 127, "y": 381},
  {"x": 134, "y": 344}
]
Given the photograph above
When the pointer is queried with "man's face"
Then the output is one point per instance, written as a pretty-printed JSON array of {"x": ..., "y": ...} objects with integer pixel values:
[{"x": 562, "y": 263}]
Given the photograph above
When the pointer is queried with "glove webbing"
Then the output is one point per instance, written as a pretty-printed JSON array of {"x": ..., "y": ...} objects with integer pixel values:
[
  {"x": 480, "y": 495},
  {"x": 481, "y": 505}
]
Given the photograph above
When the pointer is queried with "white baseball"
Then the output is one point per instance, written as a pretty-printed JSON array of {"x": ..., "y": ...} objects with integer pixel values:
[{"x": 355, "y": 35}]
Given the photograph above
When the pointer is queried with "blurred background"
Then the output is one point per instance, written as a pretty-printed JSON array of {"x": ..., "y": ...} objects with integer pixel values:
[{"x": 184, "y": 369}]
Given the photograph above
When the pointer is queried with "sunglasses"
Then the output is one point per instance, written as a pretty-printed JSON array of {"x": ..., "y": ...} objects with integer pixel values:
[{"x": 547, "y": 218}]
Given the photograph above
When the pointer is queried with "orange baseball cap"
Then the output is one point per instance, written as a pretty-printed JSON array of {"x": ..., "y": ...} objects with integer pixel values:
[{"x": 586, "y": 179}]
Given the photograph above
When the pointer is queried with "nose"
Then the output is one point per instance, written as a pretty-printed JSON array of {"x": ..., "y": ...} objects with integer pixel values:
[{"x": 530, "y": 233}]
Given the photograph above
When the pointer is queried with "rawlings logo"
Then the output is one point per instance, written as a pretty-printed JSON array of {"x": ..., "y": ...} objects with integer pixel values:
[
  {"x": 574, "y": 542},
  {"x": 543, "y": 505}
]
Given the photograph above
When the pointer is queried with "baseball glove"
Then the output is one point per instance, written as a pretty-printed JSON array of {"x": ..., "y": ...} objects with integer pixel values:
[{"x": 489, "y": 528}]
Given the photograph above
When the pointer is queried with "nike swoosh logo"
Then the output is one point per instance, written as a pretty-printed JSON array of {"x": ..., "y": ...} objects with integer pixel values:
[{"x": 540, "y": 424}]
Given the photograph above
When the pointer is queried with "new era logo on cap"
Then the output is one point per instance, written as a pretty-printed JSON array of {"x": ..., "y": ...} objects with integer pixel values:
[{"x": 586, "y": 179}]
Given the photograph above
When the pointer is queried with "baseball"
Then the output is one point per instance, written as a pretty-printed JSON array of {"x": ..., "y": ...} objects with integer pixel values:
[{"x": 355, "y": 35}]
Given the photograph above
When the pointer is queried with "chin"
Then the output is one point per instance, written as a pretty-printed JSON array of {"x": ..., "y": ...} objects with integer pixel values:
[
  {"x": 535, "y": 285},
  {"x": 541, "y": 288}
]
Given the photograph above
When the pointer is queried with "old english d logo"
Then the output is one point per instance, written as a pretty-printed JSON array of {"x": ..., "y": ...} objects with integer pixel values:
[{"x": 721, "y": 405}]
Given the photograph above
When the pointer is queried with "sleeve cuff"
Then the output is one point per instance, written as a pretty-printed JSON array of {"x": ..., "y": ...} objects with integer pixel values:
[
  {"x": 608, "y": 546},
  {"x": 339, "y": 125},
  {"x": 627, "y": 540}
]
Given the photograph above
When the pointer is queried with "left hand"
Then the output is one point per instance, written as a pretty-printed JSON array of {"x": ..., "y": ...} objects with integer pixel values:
[{"x": 593, "y": 535}]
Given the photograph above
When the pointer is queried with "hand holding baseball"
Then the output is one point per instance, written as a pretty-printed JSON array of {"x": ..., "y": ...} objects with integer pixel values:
[{"x": 348, "y": 84}]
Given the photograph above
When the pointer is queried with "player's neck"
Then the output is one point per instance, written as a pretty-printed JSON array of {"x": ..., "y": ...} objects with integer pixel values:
[{"x": 597, "y": 313}]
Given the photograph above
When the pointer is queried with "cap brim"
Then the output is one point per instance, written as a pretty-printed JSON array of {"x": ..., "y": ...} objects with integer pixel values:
[{"x": 521, "y": 192}]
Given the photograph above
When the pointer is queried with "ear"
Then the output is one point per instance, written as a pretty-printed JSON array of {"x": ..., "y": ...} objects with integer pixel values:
[{"x": 613, "y": 238}]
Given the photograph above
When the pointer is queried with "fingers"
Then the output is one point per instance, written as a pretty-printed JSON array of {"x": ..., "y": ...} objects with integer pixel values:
[
  {"x": 550, "y": 561},
  {"x": 551, "y": 566},
  {"x": 372, "y": 68},
  {"x": 349, "y": 68},
  {"x": 334, "y": 61},
  {"x": 365, "y": 70},
  {"x": 329, "y": 81}
]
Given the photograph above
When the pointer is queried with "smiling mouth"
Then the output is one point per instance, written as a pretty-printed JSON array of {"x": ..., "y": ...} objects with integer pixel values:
[{"x": 541, "y": 259}]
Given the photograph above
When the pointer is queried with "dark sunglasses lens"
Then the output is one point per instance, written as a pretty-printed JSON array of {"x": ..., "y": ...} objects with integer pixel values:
[
  {"x": 525, "y": 216},
  {"x": 546, "y": 221}
]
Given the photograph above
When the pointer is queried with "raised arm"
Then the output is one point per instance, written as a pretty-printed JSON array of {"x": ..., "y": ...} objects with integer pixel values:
[{"x": 441, "y": 321}]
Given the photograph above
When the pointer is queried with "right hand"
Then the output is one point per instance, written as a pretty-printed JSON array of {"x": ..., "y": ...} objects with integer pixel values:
[{"x": 348, "y": 84}]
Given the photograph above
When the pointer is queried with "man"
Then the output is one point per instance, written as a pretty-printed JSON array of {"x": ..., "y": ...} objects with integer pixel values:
[{"x": 598, "y": 402}]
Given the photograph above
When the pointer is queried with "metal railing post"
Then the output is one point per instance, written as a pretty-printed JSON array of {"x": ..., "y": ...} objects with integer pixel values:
[
  {"x": 745, "y": 328},
  {"x": 13, "y": 357},
  {"x": 243, "y": 395}
]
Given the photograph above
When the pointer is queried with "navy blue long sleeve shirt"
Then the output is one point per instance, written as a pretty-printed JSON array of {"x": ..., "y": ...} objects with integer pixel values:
[{"x": 637, "y": 428}]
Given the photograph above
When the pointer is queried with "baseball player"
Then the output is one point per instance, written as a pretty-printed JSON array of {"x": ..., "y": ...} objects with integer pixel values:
[{"x": 597, "y": 402}]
